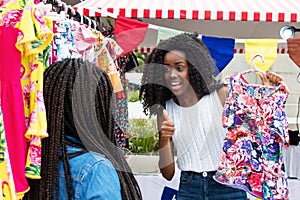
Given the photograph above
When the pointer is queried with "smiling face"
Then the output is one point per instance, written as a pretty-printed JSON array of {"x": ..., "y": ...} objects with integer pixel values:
[{"x": 176, "y": 74}]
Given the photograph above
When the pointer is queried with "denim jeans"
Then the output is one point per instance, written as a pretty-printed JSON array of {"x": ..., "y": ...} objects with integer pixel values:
[{"x": 202, "y": 186}]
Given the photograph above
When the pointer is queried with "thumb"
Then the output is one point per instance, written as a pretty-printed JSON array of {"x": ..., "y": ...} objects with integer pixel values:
[
  {"x": 166, "y": 116},
  {"x": 263, "y": 78}
]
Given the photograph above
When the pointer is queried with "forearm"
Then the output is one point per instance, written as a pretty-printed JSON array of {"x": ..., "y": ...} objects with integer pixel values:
[{"x": 166, "y": 158}]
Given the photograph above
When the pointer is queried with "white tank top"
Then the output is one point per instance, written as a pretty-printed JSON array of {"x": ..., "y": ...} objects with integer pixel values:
[{"x": 199, "y": 133}]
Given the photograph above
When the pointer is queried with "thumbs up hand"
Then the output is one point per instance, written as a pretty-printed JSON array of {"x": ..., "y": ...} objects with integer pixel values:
[{"x": 167, "y": 127}]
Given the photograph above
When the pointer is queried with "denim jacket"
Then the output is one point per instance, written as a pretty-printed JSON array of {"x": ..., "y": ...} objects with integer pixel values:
[{"x": 94, "y": 177}]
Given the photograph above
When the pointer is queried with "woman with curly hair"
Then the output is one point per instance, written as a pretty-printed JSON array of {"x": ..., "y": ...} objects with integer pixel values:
[
  {"x": 178, "y": 85},
  {"x": 80, "y": 158}
]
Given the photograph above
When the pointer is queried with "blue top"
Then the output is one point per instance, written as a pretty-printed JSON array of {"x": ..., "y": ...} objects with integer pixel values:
[{"x": 94, "y": 177}]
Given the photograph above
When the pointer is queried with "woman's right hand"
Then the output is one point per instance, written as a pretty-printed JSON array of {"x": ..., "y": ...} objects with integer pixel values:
[
  {"x": 167, "y": 127},
  {"x": 166, "y": 149}
]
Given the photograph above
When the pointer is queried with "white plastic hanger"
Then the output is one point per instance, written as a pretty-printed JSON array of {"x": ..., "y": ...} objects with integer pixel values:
[{"x": 253, "y": 67}]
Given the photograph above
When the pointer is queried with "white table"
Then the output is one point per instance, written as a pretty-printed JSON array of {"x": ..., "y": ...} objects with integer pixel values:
[
  {"x": 152, "y": 185},
  {"x": 292, "y": 164}
]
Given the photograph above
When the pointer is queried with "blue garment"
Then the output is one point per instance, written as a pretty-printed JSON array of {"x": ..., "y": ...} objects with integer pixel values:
[
  {"x": 94, "y": 177},
  {"x": 196, "y": 186}
]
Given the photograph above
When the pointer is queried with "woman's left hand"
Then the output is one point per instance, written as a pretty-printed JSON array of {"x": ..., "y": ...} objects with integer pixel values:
[{"x": 271, "y": 78}]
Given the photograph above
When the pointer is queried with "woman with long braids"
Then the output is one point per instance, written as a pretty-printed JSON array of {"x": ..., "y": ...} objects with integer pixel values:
[{"x": 80, "y": 159}]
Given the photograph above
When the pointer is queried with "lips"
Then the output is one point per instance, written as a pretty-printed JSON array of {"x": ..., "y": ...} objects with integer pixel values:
[{"x": 174, "y": 86}]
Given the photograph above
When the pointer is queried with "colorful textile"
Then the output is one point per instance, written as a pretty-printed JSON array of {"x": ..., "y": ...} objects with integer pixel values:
[
  {"x": 252, "y": 157},
  {"x": 121, "y": 129},
  {"x": 63, "y": 42},
  {"x": 85, "y": 39},
  {"x": 13, "y": 106},
  {"x": 106, "y": 57},
  {"x": 33, "y": 39}
]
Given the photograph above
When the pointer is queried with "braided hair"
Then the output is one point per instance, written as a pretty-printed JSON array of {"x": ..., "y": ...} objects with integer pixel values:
[
  {"x": 79, "y": 103},
  {"x": 154, "y": 92}
]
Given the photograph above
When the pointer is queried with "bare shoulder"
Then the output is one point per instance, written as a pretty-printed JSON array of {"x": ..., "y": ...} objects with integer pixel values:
[{"x": 223, "y": 93}]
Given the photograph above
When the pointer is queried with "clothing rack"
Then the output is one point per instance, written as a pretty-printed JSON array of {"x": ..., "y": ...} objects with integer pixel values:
[{"x": 59, "y": 7}]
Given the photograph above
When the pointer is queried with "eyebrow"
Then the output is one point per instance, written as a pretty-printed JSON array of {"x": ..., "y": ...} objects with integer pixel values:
[{"x": 177, "y": 62}]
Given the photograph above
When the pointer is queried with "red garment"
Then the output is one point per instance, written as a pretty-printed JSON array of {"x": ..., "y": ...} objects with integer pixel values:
[
  {"x": 129, "y": 33},
  {"x": 13, "y": 105}
]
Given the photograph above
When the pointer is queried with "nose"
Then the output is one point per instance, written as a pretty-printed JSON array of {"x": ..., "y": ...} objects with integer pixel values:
[{"x": 173, "y": 72}]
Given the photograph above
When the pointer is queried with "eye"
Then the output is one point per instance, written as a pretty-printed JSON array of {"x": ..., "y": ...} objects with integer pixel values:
[{"x": 180, "y": 68}]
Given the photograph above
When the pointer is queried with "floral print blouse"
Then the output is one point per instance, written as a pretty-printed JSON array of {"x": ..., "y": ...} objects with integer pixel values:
[{"x": 257, "y": 129}]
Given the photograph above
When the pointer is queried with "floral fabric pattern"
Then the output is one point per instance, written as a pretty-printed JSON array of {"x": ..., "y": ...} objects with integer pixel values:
[
  {"x": 33, "y": 41},
  {"x": 252, "y": 157},
  {"x": 106, "y": 55},
  {"x": 64, "y": 43}
]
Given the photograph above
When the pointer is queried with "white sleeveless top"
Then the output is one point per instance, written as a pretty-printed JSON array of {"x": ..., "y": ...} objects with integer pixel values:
[{"x": 199, "y": 133}]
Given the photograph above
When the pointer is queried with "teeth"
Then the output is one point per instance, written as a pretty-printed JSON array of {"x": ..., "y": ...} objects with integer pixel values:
[{"x": 174, "y": 84}]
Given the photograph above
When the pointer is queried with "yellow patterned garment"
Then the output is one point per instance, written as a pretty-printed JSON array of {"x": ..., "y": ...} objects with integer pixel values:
[{"x": 33, "y": 40}]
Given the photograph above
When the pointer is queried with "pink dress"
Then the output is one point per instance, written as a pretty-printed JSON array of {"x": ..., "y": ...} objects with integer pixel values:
[{"x": 13, "y": 105}]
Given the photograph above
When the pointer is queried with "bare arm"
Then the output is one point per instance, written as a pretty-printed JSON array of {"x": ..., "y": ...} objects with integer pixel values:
[
  {"x": 166, "y": 148},
  {"x": 223, "y": 93}
]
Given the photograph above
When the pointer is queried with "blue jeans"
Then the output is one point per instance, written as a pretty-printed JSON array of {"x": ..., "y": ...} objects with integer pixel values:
[{"x": 201, "y": 186}]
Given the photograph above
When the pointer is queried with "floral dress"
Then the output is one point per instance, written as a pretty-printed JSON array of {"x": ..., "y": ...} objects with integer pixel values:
[
  {"x": 13, "y": 109},
  {"x": 257, "y": 129},
  {"x": 33, "y": 40}
]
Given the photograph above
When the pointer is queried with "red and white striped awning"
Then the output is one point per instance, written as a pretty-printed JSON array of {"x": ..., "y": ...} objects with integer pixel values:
[
  {"x": 223, "y": 10},
  {"x": 239, "y": 19}
]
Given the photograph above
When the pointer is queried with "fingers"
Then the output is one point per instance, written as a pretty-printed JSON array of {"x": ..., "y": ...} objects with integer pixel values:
[
  {"x": 166, "y": 116},
  {"x": 273, "y": 77},
  {"x": 167, "y": 128}
]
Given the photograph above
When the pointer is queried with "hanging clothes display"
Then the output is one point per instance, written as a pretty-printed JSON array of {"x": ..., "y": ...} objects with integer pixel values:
[
  {"x": 106, "y": 58},
  {"x": 125, "y": 63},
  {"x": 257, "y": 130},
  {"x": 106, "y": 54},
  {"x": 85, "y": 39},
  {"x": 28, "y": 47},
  {"x": 63, "y": 43},
  {"x": 26, "y": 38},
  {"x": 35, "y": 38}
]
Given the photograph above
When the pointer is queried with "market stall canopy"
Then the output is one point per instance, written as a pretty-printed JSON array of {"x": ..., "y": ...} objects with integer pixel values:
[{"x": 221, "y": 18}]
